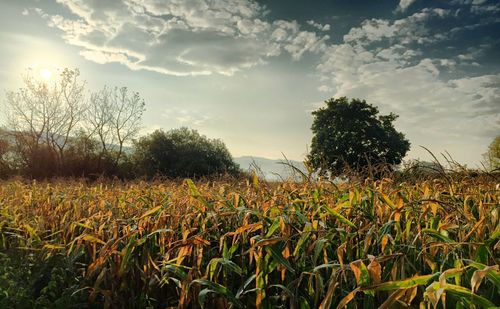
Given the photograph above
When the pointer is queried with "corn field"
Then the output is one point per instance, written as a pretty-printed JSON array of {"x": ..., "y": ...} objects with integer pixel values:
[{"x": 250, "y": 244}]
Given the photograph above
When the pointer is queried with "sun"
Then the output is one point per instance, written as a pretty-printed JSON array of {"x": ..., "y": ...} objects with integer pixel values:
[{"x": 45, "y": 73}]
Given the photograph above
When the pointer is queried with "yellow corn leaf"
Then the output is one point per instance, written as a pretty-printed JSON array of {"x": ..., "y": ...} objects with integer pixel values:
[
  {"x": 452, "y": 272},
  {"x": 249, "y": 228},
  {"x": 270, "y": 241},
  {"x": 431, "y": 263},
  {"x": 198, "y": 240},
  {"x": 478, "y": 276},
  {"x": 53, "y": 247},
  {"x": 327, "y": 301},
  {"x": 340, "y": 254},
  {"x": 434, "y": 208},
  {"x": 360, "y": 272},
  {"x": 347, "y": 299},
  {"x": 400, "y": 203},
  {"x": 476, "y": 226},
  {"x": 150, "y": 212},
  {"x": 387, "y": 200},
  {"x": 384, "y": 241},
  {"x": 91, "y": 238},
  {"x": 411, "y": 293},
  {"x": 375, "y": 271},
  {"x": 392, "y": 298}
]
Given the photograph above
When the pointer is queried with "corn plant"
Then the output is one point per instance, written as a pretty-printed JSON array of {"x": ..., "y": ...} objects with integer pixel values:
[{"x": 246, "y": 243}]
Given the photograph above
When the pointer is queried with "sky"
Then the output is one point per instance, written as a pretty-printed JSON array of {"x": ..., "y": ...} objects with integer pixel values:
[{"x": 251, "y": 72}]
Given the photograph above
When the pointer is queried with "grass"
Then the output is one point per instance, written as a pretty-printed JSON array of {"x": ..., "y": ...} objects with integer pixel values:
[{"x": 244, "y": 243}]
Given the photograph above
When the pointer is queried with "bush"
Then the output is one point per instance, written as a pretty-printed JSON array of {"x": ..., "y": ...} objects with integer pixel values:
[{"x": 182, "y": 153}]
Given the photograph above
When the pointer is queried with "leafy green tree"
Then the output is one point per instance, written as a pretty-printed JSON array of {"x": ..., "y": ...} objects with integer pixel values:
[
  {"x": 492, "y": 156},
  {"x": 182, "y": 153},
  {"x": 351, "y": 134}
]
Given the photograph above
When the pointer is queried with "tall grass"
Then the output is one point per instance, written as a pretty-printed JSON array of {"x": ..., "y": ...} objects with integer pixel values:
[{"x": 244, "y": 243}]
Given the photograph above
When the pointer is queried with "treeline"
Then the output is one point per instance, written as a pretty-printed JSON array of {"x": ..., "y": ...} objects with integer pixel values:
[{"x": 55, "y": 128}]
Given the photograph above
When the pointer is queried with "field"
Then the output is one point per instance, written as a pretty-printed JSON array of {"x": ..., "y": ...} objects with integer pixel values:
[{"x": 245, "y": 243}]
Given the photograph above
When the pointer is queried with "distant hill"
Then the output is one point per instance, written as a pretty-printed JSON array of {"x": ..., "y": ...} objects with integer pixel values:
[{"x": 271, "y": 169}]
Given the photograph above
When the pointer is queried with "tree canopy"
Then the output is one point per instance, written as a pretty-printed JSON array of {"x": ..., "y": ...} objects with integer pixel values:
[
  {"x": 352, "y": 134},
  {"x": 182, "y": 153},
  {"x": 492, "y": 156}
]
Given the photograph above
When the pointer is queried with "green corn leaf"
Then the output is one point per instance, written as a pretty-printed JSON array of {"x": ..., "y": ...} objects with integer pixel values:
[
  {"x": 273, "y": 227},
  {"x": 494, "y": 237},
  {"x": 437, "y": 235},
  {"x": 303, "y": 238},
  {"x": 228, "y": 264},
  {"x": 338, "y": 216},
  {"x": 196, "y": 194},
  {"x": 403, "y": 284},
  {"x": 361, "y": 273},
  {"x": 284, "y": 289},
  {"x": 127, "y": 254},
  {"x": 177, "y": 271},
  {"x": 278, "y": 257},
  {"x": 465, "y": 293},
  {"x": 218, "y": 289},
  {"x": 318, "y": 248},
  {"x": 243, "y": 288},
  {"x": 482, "y": 255}
]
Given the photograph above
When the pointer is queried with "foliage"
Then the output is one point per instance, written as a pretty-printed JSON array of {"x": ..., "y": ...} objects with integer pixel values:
[
  {"x": 492, "y": 156},
  {"x": 351, "y": 134},
  {"x": 251, "y": 244},
  {"x": 83, "y": 157},
  {"x": 31, "y": 278},
  {"x": 182, "y": 153}
]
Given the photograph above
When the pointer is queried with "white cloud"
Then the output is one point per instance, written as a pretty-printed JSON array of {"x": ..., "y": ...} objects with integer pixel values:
[
  {"x": 184, "y": 117},
  {"x": 479, "y": 6},
  {"x": 411, "y": 29},
  {"x": 321, "y": 27},
  {"x": 324, "y": 88},
  {"x": 180, "y": 37},
  {"x": 102, "y": 57},
  {"x": 378, "y": 62},
  {"x": 404, "y": 4}
]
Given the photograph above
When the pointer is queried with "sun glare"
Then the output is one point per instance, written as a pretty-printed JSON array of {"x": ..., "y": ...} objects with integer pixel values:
[{"x": 45, "y": 73}]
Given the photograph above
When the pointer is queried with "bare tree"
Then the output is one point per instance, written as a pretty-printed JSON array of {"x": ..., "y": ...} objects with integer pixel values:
[
  {"x": 67, "y": 111},
  {"x": 45, "y": 113},
  {"x": 99, "y": 118},
  {"x": 114, "y": 116},
  {"x": 45, "y": 116}
]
